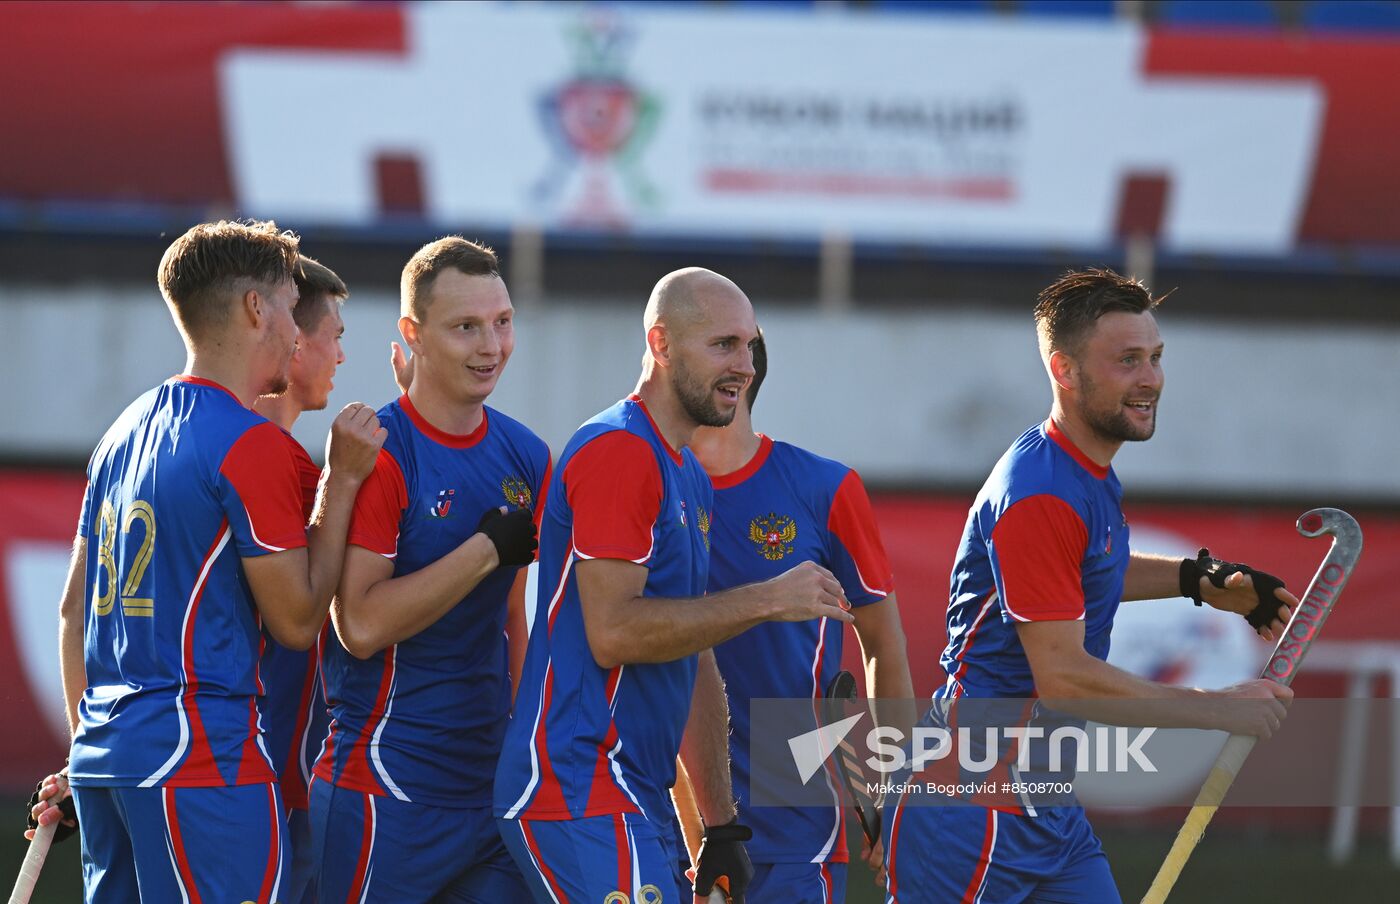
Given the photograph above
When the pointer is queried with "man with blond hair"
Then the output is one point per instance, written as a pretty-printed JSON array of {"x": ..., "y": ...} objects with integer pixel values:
[{"x": 192, "y": 536}]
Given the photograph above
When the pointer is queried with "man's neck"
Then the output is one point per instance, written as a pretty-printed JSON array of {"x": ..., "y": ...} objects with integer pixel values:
[
  {"x": 282, "y": 410},
  {"x": 437, "y": 408},
  {"x": 724, "y": 450},
  {"x": 1099, "y": 450},
  {"x": 230, "y": 370},
  {"x": 677, "y": 428}
]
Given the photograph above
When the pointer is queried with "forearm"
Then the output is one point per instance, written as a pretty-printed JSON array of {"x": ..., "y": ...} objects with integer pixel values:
[
  {"x": 1152, "y": 577},
  {"x": 705, "y": 745},
  {"x": 1092, "y": 689},
  {"x": 72, "y": 668},
  {"x": 884, "y": 651},
  {"x": 517, "y": 631},
  {"x": 892, "y": 690},
  {"x": 652, "y": 629},
  {"x": 396, "y": 609},
  {"x": 325, "y": 540}
]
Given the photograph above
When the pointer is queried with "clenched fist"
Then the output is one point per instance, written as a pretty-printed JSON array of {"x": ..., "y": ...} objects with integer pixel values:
[{"x": 354, "y": 442}]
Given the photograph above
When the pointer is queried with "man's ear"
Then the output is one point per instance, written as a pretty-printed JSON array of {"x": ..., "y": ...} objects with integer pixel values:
[
  {"x": 659, "y": 344},
  {"x": 411, "y": 331},
  {"x": 253, "y": 307},
  {"x": 1064, "y": 371}
]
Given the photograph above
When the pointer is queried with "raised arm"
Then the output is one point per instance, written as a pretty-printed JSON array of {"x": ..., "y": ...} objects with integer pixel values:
[
  {"x": 293, "y": 583},
  {"x": 1153, "y": 577}
]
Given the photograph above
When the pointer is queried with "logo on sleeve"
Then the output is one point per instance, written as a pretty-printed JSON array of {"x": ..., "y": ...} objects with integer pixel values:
[
  {"x": 702, "y": 521},
  {"x": 443, "y": 504},
  {"x": 773, "y": 535},
  {"x": 517, "y": 492}
]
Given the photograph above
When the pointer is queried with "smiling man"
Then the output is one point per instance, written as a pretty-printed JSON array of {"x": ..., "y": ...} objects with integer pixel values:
[
  {"x": 1043, "y": 564},
  {"x": 293, "y": 708},
  {"x": 196, "y": 525},
  {"x": 416, "y": 672},
  {"x": 619, "y": 675}
]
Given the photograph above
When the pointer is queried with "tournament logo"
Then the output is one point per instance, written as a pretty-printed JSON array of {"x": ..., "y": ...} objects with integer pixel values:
[
  {"x": 773, "y": 535},
  {"x": 598, "y": 122},
  {"x": 443, "y": 504},
  {"x": 517, "y": 492}
]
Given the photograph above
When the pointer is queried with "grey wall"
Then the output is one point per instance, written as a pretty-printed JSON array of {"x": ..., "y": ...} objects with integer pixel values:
[{"x": 1249, "y": 409}]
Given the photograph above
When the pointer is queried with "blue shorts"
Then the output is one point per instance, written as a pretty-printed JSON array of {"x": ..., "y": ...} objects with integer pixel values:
[
  {"x": 300, "y": 884},
  {"x": 182, "y": 844},
  {"x": 616, "y": 859},
  {"x": 798, "y": 883},
  {"x": 371, "y": 848},
  {"x": 950, "y": 854}
]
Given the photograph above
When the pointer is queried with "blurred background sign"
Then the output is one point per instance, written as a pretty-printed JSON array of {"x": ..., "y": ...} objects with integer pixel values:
[{"x": 891, "y": 181}]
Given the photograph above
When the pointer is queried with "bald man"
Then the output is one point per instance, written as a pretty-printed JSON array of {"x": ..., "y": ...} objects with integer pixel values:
[{"x": 619, "y": 677}]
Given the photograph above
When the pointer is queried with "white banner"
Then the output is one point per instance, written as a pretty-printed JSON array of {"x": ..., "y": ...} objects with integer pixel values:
[{"x": 887, "y": 128}]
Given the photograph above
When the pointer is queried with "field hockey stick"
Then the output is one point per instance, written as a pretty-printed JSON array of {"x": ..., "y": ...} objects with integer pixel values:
[
  {"x": 1313, "y": 609},
  {"x": 843, "y": 688},
  {"x": 33, "y": 862}
]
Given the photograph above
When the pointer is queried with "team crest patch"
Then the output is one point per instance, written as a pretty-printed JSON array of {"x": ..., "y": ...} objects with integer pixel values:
[
  {"x": 702, "y": 521},
  {"x": 773, "y": 535},
  {"x": 517, "y": 492},
  {"x": 443, "y": 504}
]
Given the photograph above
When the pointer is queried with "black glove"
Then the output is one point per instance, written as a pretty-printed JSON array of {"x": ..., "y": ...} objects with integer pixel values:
[
  {"x": 1216, "y": 571},
  {"x": 722, "y": 853},
  {"x": 62, "y": 831},
  {"x": 512, "y": 534}
]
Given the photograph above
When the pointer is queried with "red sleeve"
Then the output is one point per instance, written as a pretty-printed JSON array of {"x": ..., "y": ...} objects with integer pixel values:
[
  {"x": 613, "y": 487},
  {"x": 308, "y": 474},
  {"x": 543, "y": 495},
  {"x": 1037, "y": 553},
  {"x": 852, "y": 522},
  {"x": 263, "y": 475},
  {"x": 379, "y": 507}
]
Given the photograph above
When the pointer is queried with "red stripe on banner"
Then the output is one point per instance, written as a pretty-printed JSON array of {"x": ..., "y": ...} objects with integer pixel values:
[
  {"x": 1355, "y": 181},
  {"x": 36, "y": 509},
  {"x": 545, "y": 871},
  {"x": 970, "y": 894},
  {"x": 177, "y": 844},
  {"x": 357, "y": 884},
  {"x": 756, "y": 182},
  {"x": 171, "y": 151},
  {"x": 274, "y": 846}
]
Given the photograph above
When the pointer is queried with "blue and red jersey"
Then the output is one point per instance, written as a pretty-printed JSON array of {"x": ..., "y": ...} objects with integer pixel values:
[
  {"x": 584, "y": 740},
  {"x": 185, "y": 484},
  {"x": 422, "y": 720},
  {"x": 1045, "y": 540},
  {"x": 294, "y": 709},
  {"x": 784, "y": 507}
]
